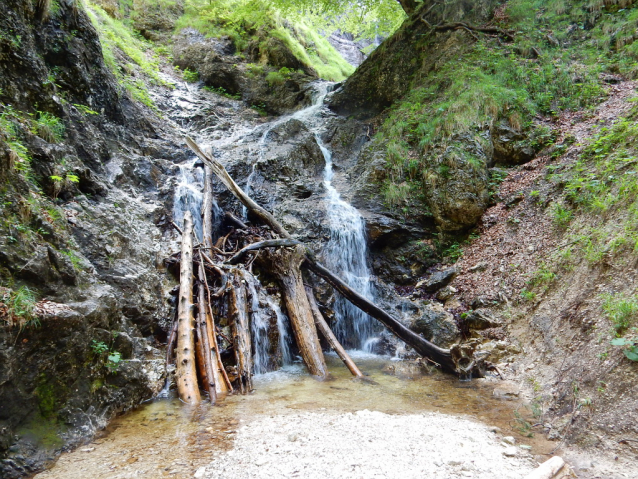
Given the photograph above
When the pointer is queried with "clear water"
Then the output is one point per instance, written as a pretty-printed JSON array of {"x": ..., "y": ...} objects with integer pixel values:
[{"x": 166, "y": 439}]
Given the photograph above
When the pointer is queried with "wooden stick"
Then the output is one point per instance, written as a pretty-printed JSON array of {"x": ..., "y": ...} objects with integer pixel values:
[
  {"x": 421, "y": 345},
  {"x": 284, "y": 264},
  {"x": 231, "y": 218},
  {"x": 259, "y": 245},
  {"x": 172, "y": 340},
  {"x": 187, "y": 385},
  {"x": 234, "y": 188},
  {"x": 322, "y": 325}
]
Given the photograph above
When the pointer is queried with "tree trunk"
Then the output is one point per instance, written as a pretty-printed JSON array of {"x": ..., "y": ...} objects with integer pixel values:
[
  {"x": 408, "y": 6},
  {"x": 237, "y": 257},
  {"x": 216, "y": 366},
  {"x": 240, "y": 328},
  {"x": 187, "y": 385},
  {"x": 322, "y": 325},
  {"x": 207, "y": 208},
  {"x": 284, "y": 264}
]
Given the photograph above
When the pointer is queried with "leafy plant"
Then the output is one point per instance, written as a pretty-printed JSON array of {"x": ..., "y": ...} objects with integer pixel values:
[
  {"x": 528, "y": 295},
  {"x": 629, "y": 345},
  {"x": 49, "y": 127},
  {"x": 21, "y": 305},
  {"x": 190, "y": 76}
]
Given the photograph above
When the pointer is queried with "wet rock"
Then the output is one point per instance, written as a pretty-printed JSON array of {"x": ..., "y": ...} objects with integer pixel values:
[
  {"x": 124, "y": 345},
  {"x": 481, "y": 319},
  {"x": 436, "y": 325},
  {"x": 437, "y": 280}
]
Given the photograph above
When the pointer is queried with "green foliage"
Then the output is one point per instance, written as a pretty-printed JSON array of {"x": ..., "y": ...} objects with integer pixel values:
[
  {"x": 20, "y": 305},
  {"x": 85, "y": 110},
  {"x": 542, "y": 276},
  {"x": 76, "y": 261},
  {"x": 49, "y": 127},
  {"x": 629, "y": 345},
  {"x": 561, "y": 215},
  {"x": 528, "y": 295},
  {"x": 621, "y": 310},
  {"x": 115, "y": 35},
  {"x": 222, "y": 91},
  {"x": 190, "y": 76},
  {"x": 256, "y": 21},
  {"x": 453, "y": 252},
  {"x": 113, "y": 358}
]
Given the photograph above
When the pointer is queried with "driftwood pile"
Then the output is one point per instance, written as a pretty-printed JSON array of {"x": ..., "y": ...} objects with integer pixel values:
[{"x": 213, "y": 279}]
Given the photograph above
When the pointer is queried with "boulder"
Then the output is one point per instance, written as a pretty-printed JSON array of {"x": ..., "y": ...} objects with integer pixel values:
[
  {"x": 510, "y": 146},
  {"x": 481, "y": 319},
  {"x": 437, "y": 280},
  {"x": 436, "y": 325}
]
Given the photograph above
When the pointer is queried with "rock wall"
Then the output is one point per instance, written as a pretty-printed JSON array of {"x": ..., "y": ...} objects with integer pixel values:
[{"x": 91, "y": 247}]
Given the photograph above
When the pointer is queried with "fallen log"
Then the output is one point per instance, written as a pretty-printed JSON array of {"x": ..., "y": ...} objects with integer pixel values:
[
  {"x": 260, "y": 245},
  {"x": 322, "y": 326},
  {"x": 222, "y": 383},
  {"x": 458, "y": 363},
  {"x": 240, "y": 328},
  {"x": 441, "y": 356},
  {"x": 548, "y": 469},
  {"x": 210, "y": 381},
  {"x": 284, "y": 264},
  {"x": 186, "y": 374},
  {"x": 207, "y": 208},
  {"x": 231, "y": 218}
]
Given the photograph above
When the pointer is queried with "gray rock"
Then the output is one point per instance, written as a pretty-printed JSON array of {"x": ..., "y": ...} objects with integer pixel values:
[
  {"x": 437, "y": 280},
  {"x": 481, "y": 319},
  {"x": 437, "y": 326}
]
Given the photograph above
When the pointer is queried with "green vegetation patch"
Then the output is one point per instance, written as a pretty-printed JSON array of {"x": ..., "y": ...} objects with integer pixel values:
[
  {"x": 138, "y": 54},
  {"x": 248, "y": 21}
]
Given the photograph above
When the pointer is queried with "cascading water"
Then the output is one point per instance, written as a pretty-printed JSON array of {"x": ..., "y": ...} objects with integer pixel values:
[
  {"x": 346, "y": 251},
  {"x": 189, "y": 195},
  {"x": 346, "y": 254}
]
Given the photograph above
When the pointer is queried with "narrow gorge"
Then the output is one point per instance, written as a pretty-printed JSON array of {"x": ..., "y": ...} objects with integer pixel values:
[{"x": 413, "y": 239}]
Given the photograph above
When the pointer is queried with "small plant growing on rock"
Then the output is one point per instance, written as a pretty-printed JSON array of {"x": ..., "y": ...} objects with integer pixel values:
[
  {"x": 629, "y": 345},
  {"x": 18, "y": 307},
  {"x": 49, "y": 127},
  {"x": 191, "y": 76}
]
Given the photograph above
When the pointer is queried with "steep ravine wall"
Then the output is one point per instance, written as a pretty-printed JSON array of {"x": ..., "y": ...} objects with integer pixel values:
[{"x": 96, "y": 250}]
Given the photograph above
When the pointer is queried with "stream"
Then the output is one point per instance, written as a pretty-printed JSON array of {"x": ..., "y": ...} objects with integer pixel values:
[
  {"x": 402, "y": 420},
  {"x": 164, "y": 438}
]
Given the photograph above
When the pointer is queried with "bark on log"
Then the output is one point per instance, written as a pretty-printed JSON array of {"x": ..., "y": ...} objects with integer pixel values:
[
  {"x": 242, "y": 342},
  {"x": 548, "y": 469},
  {"x": 322, "y": 325},
  {"x": 284, "y": 264},
  {"x": 187, "y": 385},
  {"x": 172, "y": 339},
  {"x": 231, "y": 218},
  {"x": 260, "y": 245},
  {"x": 441, "y": 356},
  {"x": 210, "y": 383},
  {"x": 207, "y": 208},
  {"x": 217, "y": 371}
]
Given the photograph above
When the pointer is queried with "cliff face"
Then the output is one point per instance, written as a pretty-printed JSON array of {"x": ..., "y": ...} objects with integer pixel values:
[{"x": 82, "y": 209}]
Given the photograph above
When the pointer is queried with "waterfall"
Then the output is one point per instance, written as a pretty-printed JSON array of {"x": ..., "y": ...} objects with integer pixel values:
[
  {"x": 259, "y": 329},
  {"x": 284, "y": 337},
  {"x": 189, "y": 196},
  {"x": 346, "y": 254}
]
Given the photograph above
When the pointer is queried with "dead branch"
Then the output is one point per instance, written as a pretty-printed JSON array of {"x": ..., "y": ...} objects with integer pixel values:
[
  {"x": 322, "y": 325},
  {"x": 260, "y": 245}
]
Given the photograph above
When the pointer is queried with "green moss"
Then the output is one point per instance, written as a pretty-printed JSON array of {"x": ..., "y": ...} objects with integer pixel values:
[
  {"x": 115, "y": 35},
  {"x": 43, "y": 432},
  {"x": 247, "y": 20}
]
